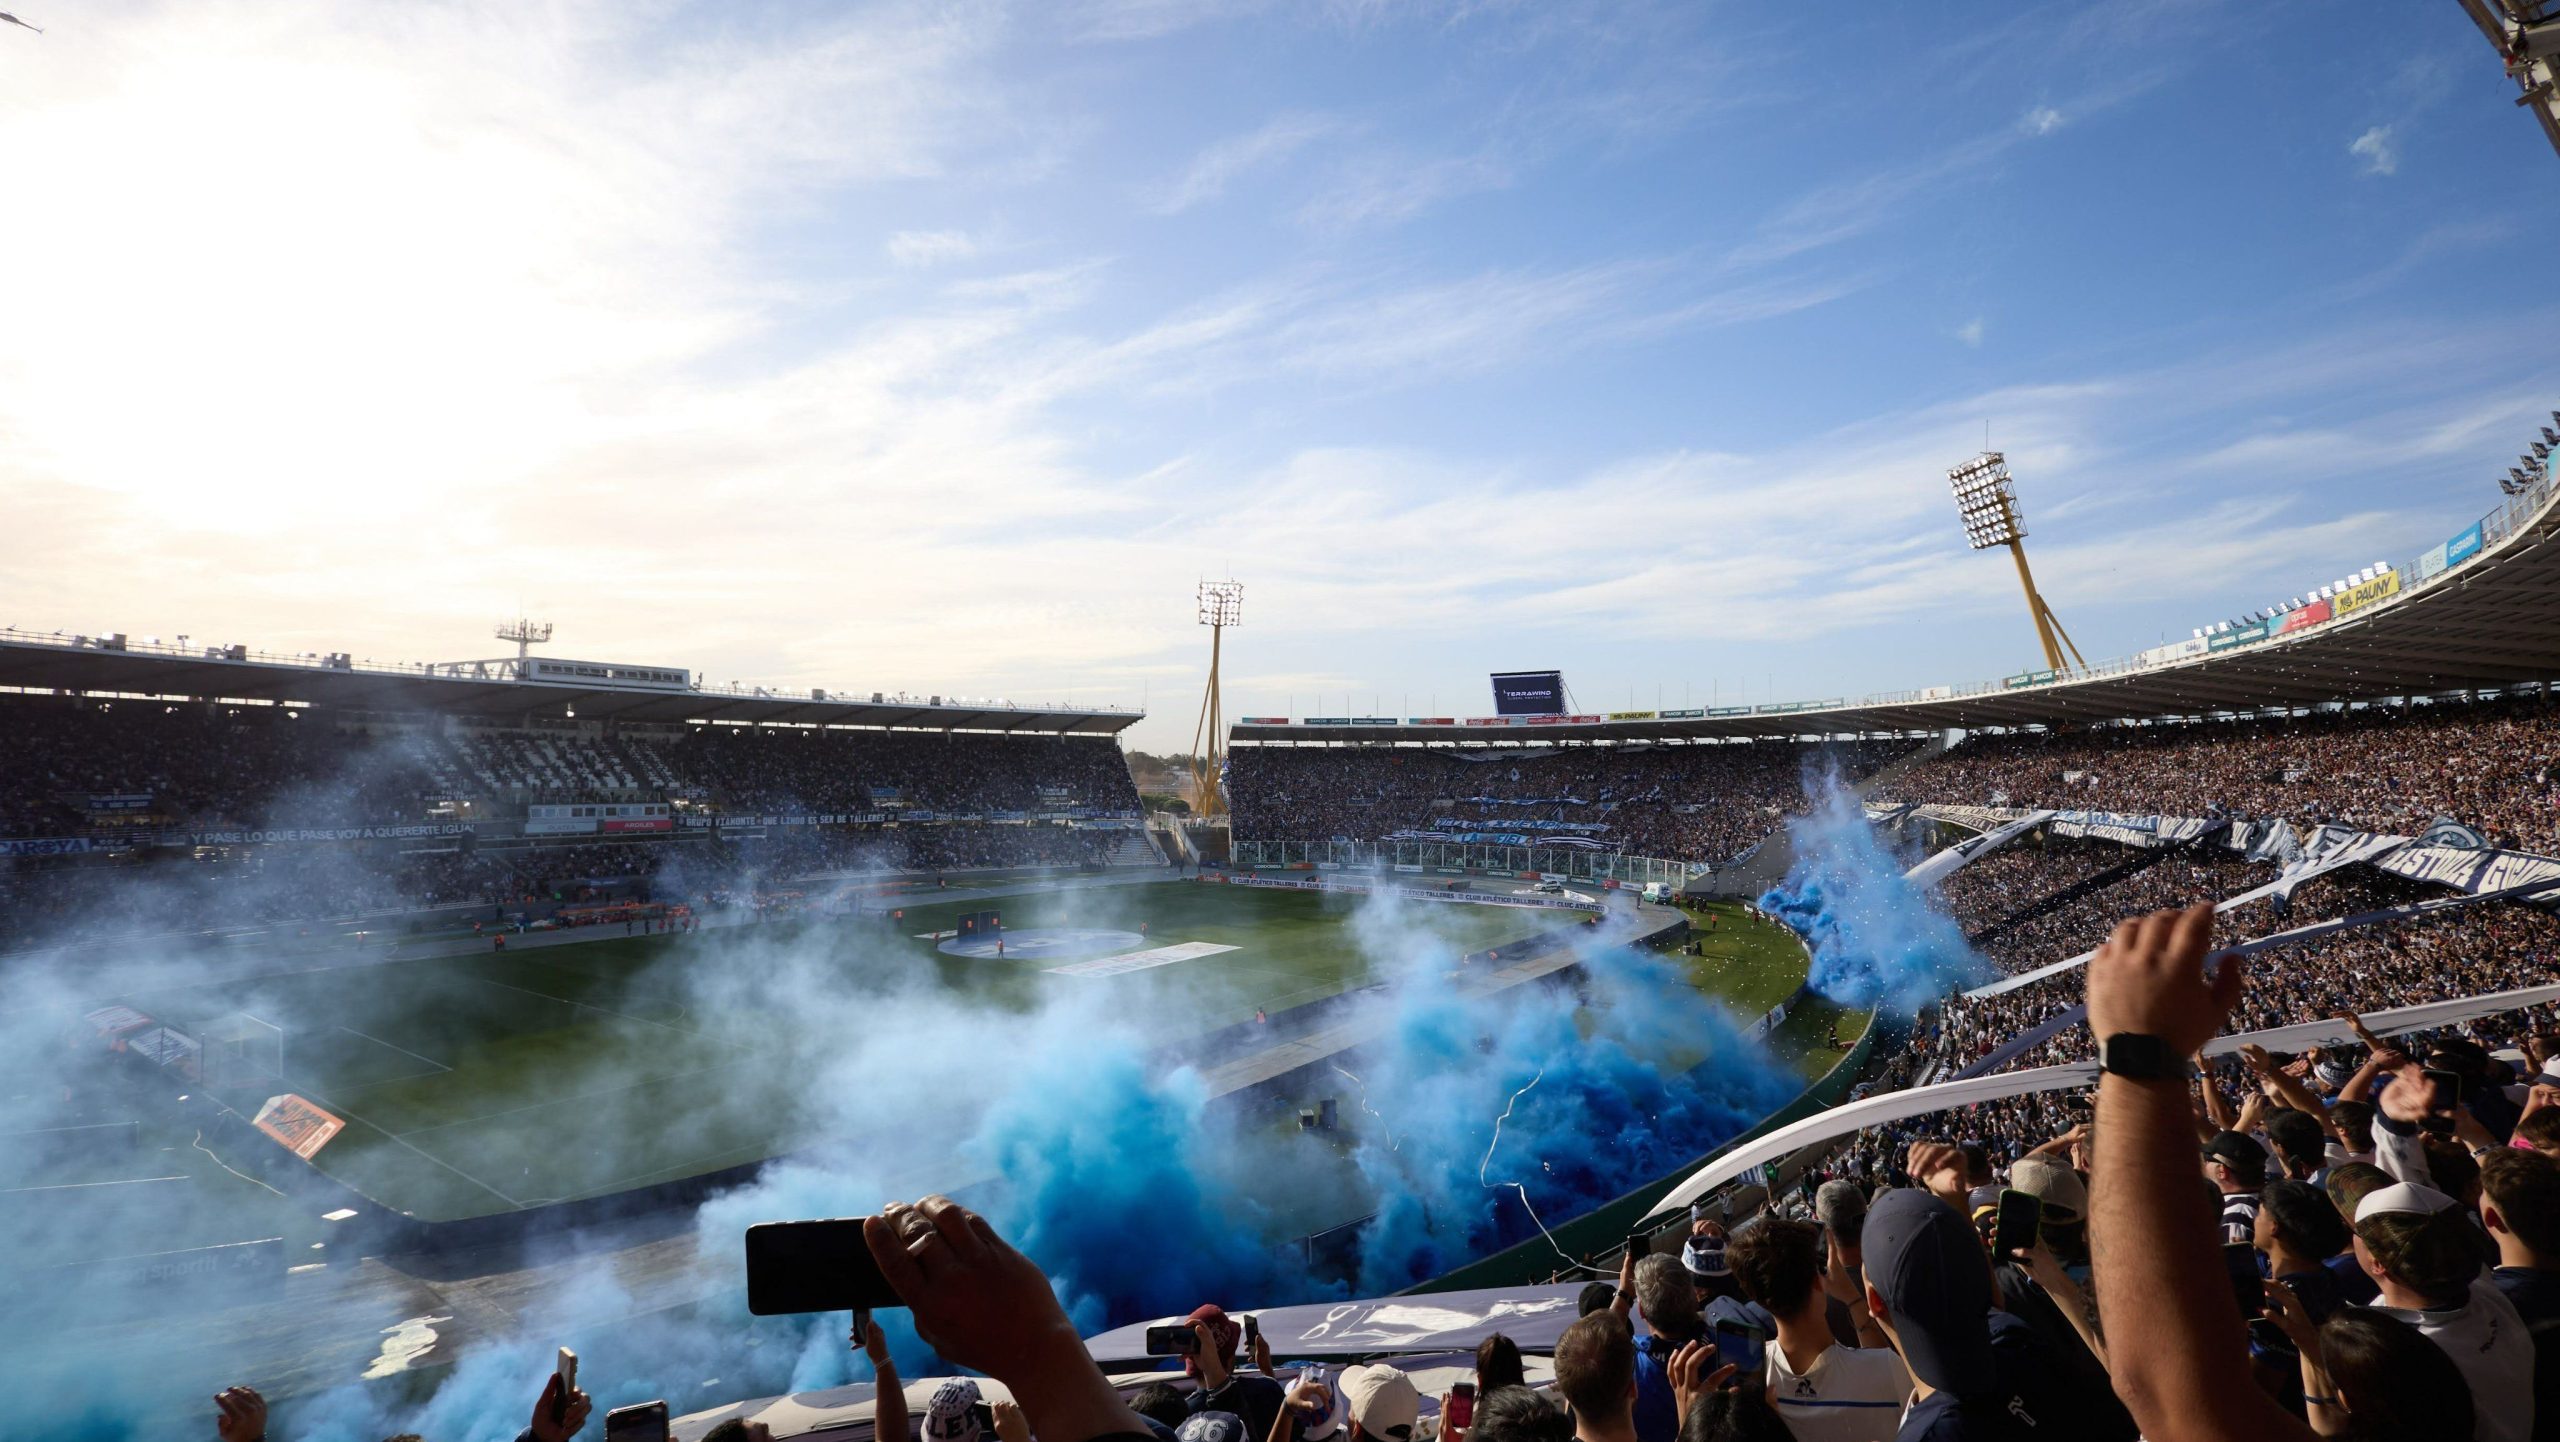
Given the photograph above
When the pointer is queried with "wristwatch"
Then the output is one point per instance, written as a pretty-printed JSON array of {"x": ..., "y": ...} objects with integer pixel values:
[{"x": 2133, "y": 1055}]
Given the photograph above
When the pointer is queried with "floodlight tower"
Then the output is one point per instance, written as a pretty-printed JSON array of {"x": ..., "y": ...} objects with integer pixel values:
[
  {"x": 527, "y": 635},
  {"x": 1221, "y": 606},
  {"x": 1989, "y": 506}
]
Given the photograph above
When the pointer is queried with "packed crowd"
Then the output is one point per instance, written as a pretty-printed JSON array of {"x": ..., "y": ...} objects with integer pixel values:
[
  {"x": 2494, "y": 765},
  {"x": 1689, "y": 803},
  {"x": 2389, "y": 1270},
  {"x": 78, "y": 767},
  {"x": 2467, "y": 951},
  {"x": 252, "y": 886},
  {"x": 2027, "y": 873}
]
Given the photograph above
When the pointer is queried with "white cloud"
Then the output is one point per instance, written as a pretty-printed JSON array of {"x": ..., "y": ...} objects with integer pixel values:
[
  {"x": 2043, "y": 120},
  {"x": 931, "y": 247},
  {"x": 1219, "y": 164},
  {"x": 1970, "y": 332},
  {"x": 2379, "y": 151}
]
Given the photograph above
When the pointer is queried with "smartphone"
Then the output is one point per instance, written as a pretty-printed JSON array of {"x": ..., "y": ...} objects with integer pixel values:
[
  {"x": 821, "y": 1266},
  {"x": 1639, "y": 1244},
  {"x": 1173, "y": 1341},
  {"x": 646, "y": 1422},
  {"x": 2013, "y": 1227},
  {"x": 2240, "y": 1262},
  {"x": 2075, "y": 1102},
  {"x": 984, "y": 1414},
  {"x": 1741, "y": 1330},
  {"x": 1252, "y": 1334},
  {"x": 2448, "y": 1088},
  {"x": 1462, "y": 1406},
  {"x": 566, "y": 1368}
]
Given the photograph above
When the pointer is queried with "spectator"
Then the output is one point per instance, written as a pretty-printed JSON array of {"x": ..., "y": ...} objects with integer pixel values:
[
  {"x": 2366, "y": 1374},
  {"x": 2520, "y": 1205},
  {"x": 1821, "y": 1390},
  {"x": 1734, "y": 1417},
  {"x": 1384, "y": 1407},
  {"x": 1162, "y": 1407},
  {"x": 1223, "y": 1388},
  {"x": 1975, "y": 1373},
  {"x": 736, "y": 1429},
  {"x": 1516, "y": 1414},
  {"x": 2237, "y": 1167},
  {"x": 2298, "y": 1231},
  {"x": 1672, "y": 1319},
  {"x": 1498, "y": 1365},
  {"x": 1596, "y": 1374},
  {"x": 2424, "y": 1254}
]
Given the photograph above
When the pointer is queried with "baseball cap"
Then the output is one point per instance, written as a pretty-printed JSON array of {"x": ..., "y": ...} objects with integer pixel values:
[
  {"x": 1382, "y": 1401},
  {"x": 2243, "y": 1156},
  {"x": 947, "y": 1417},
  {"x": 1226, "y": 1332},
  {"x": 1704, "y": 1257},
  {"x": 2405, "y": 1197},
  {"x": 2064, "y": 1195},
  {"x": 1842, "y": 1210},
  {"x": 2351, "y": 1182},
  {"x": 1927, "y": 1264},
  {"x": 1210, "y": 1427}
]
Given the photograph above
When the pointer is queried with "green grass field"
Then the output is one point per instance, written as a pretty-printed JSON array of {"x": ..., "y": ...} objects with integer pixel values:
[{"x": 470, "y": 1084}]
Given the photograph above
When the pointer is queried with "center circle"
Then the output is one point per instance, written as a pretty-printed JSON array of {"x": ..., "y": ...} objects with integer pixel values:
[{"x": 1045, "y": 943}]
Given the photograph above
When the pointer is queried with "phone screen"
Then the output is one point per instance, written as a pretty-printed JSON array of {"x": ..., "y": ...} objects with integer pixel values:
[
  {"x": 1173, "y": 1341},
  {"x": 984, "y": 1414},
  {"x": 821, "y": 1266},
  {"x": 2448, "y": 1088},
  {"x": 2014, "y": 1226},
  {"x": 1639, "y": 1244},
  {"x": 1462, "y": 1406},
  {"x": 644, "y": 1423}
]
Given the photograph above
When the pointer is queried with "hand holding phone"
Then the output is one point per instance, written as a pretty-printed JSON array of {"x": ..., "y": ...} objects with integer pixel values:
[
  {"x": 1176, "y": 1340},
  {"x": 1460, "y": 1410},
  {"x": 1639, "y": 1244},
  {"x": 817, "y": 1266},
  {"x": 565, "y": 1367},
  {"x": 2014, "y": 1225}
]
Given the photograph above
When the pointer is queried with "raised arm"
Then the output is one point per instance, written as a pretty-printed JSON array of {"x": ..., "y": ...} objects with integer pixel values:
[{"x": 2160, "y": 1279}]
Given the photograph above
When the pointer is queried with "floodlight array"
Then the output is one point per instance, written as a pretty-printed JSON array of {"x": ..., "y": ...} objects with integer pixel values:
[
  {"x": 1986, "y": 501},
  {"x": 1221, "y": 603}
]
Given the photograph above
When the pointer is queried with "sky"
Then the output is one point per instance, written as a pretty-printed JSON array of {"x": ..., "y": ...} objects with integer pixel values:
[{"x": 947, "y": 347}]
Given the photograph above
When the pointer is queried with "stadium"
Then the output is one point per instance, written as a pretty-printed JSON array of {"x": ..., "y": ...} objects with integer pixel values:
[{"x": 403, "y": 1050}]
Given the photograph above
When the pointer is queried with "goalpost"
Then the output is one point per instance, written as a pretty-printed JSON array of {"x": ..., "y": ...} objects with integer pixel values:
[{"x": 241, "y": 1050}]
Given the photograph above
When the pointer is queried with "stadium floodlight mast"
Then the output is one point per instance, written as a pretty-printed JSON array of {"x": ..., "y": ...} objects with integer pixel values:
[
  {"x": 1989, "y": 505},
  {"x": 1221, "y": 606},
  {"x": 527, "y": 635},
  {"x": 2526, "y": 34}
]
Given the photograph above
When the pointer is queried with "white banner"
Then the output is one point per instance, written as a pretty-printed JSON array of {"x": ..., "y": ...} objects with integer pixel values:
[
  {"x": 2297, "y": 935},
  {"x": 1937, "y": 868},
  {"x": 1876, "y": 1111}
]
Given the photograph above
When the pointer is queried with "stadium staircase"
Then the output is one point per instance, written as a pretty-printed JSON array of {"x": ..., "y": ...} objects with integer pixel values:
[{"x": 1136, "y": 848}]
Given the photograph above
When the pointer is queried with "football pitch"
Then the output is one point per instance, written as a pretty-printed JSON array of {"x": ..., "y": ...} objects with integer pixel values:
[{"x": 490, "y": 1082}]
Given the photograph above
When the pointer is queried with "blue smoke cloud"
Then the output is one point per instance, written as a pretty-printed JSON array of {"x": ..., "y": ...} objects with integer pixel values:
[
  {"x": 1877, "y": 940},
  {"x": 1495, "y": 1115},
  {"x": 1136, "y": 1192}
]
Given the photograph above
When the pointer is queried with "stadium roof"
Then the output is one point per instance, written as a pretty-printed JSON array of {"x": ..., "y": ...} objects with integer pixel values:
[
  {"x": 111, "y": 664},
  {"x": 2487, "y": 617}
]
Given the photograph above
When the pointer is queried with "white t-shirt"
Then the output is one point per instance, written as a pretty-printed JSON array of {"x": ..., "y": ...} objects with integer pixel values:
[
  {"x": 1850, "y": 1394},
  {"x": 2487, "y": 1340}
]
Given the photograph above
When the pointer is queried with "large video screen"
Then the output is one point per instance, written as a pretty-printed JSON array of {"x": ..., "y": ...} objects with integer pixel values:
[{"x": 1528, "y": 693}]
